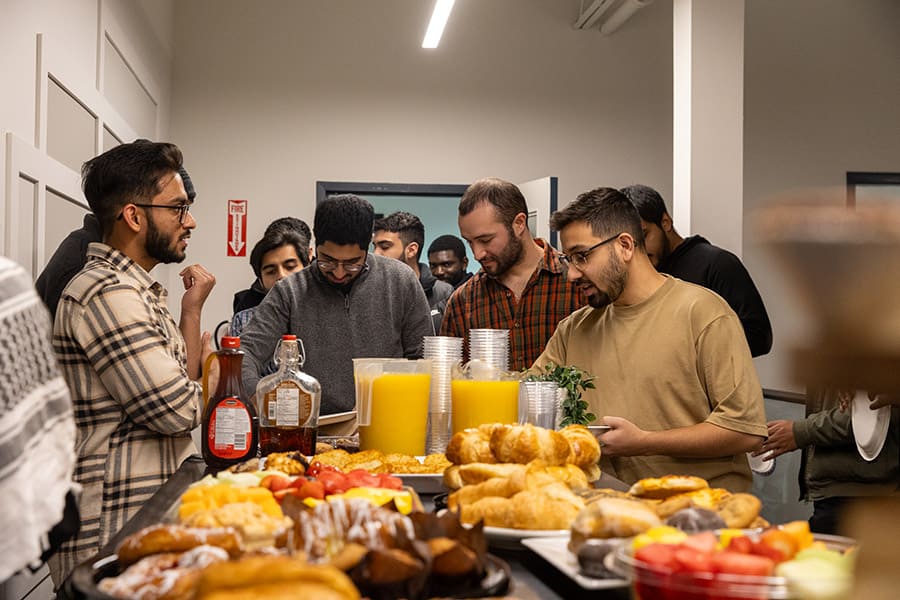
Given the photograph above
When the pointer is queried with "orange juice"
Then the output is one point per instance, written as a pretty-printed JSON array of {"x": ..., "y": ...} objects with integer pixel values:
[
  {"x": 399, "y": 414},
  {"x": 477, "y": 402}
]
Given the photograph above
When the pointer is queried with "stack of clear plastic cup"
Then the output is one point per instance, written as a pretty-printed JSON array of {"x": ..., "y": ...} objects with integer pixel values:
[
  {"x": 540, "y": 400},
  {"x": 490, "y": 346},
  {"x": 444, "y": 352}
]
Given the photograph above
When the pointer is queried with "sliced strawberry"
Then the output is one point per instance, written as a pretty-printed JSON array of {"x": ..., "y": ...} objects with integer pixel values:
[{"x": 274, "y": 482}]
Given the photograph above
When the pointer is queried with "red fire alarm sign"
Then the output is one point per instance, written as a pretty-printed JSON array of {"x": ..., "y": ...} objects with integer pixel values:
[{"x": 237, "y": 228}]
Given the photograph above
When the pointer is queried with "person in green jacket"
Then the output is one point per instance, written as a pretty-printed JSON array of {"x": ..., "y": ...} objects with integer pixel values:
[{"x": 832, "y": 472}]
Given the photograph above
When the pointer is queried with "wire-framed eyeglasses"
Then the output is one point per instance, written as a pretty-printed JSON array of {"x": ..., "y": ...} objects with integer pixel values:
[
  {"x": 183, "y": 209},
  {"x": 580, "y": 258},
  {"x": 329, "y": 264}
]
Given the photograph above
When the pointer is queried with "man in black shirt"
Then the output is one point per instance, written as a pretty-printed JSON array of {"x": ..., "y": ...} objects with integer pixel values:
[{"x": 695, "y": 260}]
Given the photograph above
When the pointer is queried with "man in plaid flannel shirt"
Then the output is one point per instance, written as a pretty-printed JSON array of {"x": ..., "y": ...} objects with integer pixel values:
[
  {"x": 521, "y": 285},
  {"x": 122, "y": 355}
]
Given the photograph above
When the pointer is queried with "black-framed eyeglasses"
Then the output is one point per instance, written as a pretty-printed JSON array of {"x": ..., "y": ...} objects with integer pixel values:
[
  {"x": 329, "y": 264},
  {"x": 580, "y": 258},
  {"x": 183, "y": 209}
]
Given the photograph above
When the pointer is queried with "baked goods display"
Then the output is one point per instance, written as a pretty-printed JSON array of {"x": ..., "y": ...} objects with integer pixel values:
[{"x": 375, "y": 461}]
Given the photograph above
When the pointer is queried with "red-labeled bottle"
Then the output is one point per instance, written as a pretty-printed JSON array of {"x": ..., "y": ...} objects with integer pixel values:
[{"x": 230, "y": 425}]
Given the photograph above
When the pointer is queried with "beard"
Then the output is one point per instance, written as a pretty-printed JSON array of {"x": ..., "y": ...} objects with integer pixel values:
[
  {"x": 162, "y": 248},
  {"x": 664, "y": 251},
  {"x": 616, "y": 276},
  {"x": 506, "y": 259}
]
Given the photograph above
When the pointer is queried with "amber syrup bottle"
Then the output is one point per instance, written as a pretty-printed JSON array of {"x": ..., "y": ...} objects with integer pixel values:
[
  {"x": 230, "y": 425},
  {"x": 288, "y": 404}
]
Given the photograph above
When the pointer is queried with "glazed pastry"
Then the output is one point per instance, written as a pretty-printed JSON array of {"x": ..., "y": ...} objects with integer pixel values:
[
  {"x": 585, "y": 447},
  {"x": 667, "y": 485},
  {"x": 708, "y": 498},
  {"x": 167, "y": 576},
  {"x": 524, "y": 443},
  {"x": 157, "y": 539}
]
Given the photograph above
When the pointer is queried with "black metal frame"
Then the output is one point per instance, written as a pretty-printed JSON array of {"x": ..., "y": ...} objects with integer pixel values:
[{"x": 855, "y": 178}]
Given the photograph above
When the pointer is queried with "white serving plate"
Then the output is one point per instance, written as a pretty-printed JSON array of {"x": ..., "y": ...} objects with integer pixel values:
[
  {"x": 870, "y": 427},
  {"x": 504, "y": 537},
  {"x": 556, "y": 552}
]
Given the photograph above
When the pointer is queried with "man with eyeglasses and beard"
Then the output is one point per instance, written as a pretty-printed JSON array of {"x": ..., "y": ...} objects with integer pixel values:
[
  {"x": 674, "y": 375},
  {"x": 521, "y": 285},
  {"x": 126, "y": 362},
  {"x": 347, "y": 304}
]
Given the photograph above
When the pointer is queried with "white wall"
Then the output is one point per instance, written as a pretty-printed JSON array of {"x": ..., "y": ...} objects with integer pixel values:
[
  {"x": 276, "y": 95},
  {"x": 822, "y": 97},
  {"x": 47, "y": 128}
]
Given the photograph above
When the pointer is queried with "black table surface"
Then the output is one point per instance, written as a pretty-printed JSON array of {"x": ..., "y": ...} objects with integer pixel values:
[{"x": 532, "y": 576}]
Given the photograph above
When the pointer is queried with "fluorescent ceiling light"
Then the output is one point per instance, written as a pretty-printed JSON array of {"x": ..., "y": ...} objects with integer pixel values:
[{"x": 439, "y": 18}]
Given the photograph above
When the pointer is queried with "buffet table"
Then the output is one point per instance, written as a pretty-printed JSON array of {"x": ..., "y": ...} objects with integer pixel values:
[{"x": 532, "y": 577}]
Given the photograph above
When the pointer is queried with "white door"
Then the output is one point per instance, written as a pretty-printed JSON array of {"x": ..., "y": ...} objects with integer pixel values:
[{"x": 541, "y": 196}]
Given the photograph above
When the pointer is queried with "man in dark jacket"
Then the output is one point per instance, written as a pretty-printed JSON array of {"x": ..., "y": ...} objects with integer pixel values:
[
  {"x": 401, "y": 235},
  {"x": 695, "y": 260}
]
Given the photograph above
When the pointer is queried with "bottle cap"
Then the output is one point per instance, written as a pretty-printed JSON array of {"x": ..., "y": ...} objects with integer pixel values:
[
  {"x": 231, "y": 342},
  {"x": 289, "y": 338}
]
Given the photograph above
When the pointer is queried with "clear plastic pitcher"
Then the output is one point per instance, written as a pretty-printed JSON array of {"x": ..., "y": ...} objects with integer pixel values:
[
  {"x": 482, "y": 394},
  {"x": 392, "y": 404}
]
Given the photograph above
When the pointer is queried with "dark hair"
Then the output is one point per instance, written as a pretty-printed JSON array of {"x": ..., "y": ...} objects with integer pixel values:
[
  {"x": 648, "y": 202},
  {"x": 504, "y": 196},
  {"x": 407, "y": 225},
  {"x": 448, "y": 242},
  {"x": 344, "y": 219},
  {"x": 274, "y": 240},
  {"x": 125, "y": 174},
  {"x": 607, "y": 210},
  {"x": 188, "y": 184},
  {"x": 290, "y": 224}
]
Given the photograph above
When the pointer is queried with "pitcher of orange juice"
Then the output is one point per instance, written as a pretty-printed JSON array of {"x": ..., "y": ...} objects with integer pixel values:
[
  {"x": 482, "y": 394},
  {"x": 392, "y": 404}
]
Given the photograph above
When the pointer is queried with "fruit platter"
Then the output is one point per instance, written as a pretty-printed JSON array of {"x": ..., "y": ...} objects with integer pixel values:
[{"x": 779, "y": 562}]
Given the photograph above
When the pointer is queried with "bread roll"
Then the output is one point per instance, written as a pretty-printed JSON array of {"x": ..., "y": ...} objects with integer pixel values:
[
  {"x": 273, "y": 577},
  {"x": 609, "y": 518},
  {"x": 524, "y": 443}
]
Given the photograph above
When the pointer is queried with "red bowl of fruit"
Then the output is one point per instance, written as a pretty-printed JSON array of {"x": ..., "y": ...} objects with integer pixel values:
[{"x": 776, "y": 563}]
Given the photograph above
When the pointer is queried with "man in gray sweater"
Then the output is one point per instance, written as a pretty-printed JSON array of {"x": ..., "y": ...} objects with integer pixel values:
[{"x": 347, "y": 304}]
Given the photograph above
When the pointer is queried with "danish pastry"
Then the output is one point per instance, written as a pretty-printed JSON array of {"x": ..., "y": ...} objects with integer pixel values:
[
  {"x": 157, "y": 539},
  {"x": 668, "y": 485}
]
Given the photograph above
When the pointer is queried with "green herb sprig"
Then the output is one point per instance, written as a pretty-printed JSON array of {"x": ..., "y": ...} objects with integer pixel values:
[{"x": 574, "y": 381}]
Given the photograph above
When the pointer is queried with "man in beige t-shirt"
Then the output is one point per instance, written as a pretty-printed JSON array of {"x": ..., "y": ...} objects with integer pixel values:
[{"x": 674, "y": 375}]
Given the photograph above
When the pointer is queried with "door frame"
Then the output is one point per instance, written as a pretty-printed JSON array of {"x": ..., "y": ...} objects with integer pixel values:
[{"x": 327, "y": 188}]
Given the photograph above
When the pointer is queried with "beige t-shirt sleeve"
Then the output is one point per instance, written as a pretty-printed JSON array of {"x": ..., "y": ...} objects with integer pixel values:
[{"x": 729, "y": 377}]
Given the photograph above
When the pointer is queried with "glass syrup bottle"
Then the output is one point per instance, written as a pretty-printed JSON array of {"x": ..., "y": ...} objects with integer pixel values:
[
  {"x": 230, "y": 426},
  {"x": 288, "y": 403}
]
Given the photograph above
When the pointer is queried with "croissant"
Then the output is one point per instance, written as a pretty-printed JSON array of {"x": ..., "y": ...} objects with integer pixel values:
[
  {"x": 611, "y": 517},
  {"x": 502, "y": 487},
  {"x": 273, "y": 577},
  {"x": 470, "y": 445},
  {"x": 524, "y": 443},
  {"x": 175, "y": 538},
  {"x": 493, "y": 510},
  {"x": 539, "y": 475},
  {"x": 585, "y": 447},
  {"x": 552, "y": 507},
  {"x": 477, "y": 472}
]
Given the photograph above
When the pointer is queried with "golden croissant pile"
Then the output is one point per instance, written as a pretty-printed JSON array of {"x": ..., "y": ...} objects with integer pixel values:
[
  {"x": 495, "y": 443},
  {"x": 520, "y": 476}
]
